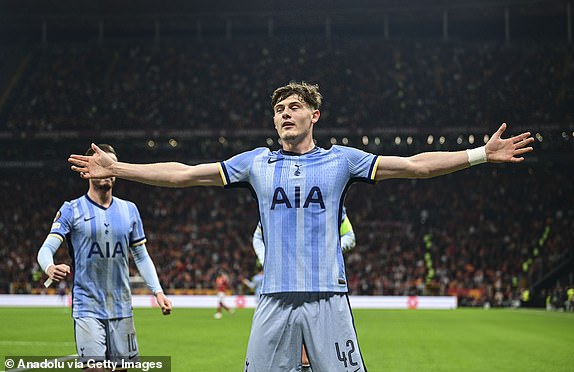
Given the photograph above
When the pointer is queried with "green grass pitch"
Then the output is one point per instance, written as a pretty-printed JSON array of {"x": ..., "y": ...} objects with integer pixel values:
[{"x": 390, "y": 340}]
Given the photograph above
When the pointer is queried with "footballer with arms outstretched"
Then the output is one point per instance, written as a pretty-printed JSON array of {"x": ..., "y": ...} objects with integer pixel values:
[
  {"x": 100, "y": 230},
  {"x": 300, "y": 191}
]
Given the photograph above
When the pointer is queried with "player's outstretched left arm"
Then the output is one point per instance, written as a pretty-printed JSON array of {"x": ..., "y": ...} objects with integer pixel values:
[
  {"x": 171, "y": 174},
  {"x": 432, "y": 164}
]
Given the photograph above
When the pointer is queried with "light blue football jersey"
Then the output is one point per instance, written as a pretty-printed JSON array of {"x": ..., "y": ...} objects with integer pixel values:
[
  {"x": 98, "y": 240},
  {"x": 300, "y": 199},
  {"x": 259, "y": 245}
]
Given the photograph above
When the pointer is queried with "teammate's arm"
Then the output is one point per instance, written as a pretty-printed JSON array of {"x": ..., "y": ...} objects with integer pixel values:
[
  {"x": 171, "y": 174},
  {"x": 248, "y": 283},
  {"x": 258, "y": 244},
  {"x": 432, "y": 164},
  {"x": 46, "y": 258},
  {"x": 147, "y": 270}
]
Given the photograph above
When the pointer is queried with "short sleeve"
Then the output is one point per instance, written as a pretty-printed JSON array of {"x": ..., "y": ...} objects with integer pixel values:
[
  {"x": 62, "y": 224},
  {"x": 137, "y": 235},
  {"x": 238, "y": 168},
  {"x": 362, "y": 165}
]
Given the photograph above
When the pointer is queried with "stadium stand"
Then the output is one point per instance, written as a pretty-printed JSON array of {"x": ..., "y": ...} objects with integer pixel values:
[
  {"x": 484, "y": 226},
  {"x": 483, "y": 236},
  {"x": 422, "y": 85}
]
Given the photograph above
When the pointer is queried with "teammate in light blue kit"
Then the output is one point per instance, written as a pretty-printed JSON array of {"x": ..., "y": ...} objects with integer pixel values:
[
  {"x": 300, "y": 191},
  {"x": 255, "y": 283},
  {"x": 257, "y": 280},
  {"x": 100, "y": 231}
]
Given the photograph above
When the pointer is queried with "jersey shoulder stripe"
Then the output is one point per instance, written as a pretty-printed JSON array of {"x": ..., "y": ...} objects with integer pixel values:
[
  {"x": 373, "y": 171},
  {"x": 223, "y": 173}
]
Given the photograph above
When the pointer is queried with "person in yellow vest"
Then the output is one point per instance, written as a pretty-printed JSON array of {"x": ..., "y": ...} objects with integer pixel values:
[
  {"x": 570, "y": 299},
  {"x": 525, "y": 296}
]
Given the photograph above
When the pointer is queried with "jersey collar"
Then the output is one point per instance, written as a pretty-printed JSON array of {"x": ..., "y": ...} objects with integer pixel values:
[
  {"x": 290, "y": 153},
  {"x": 98, "y": 205}
]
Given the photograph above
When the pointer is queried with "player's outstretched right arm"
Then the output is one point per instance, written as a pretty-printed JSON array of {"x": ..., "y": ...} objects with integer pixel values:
[
  {"x": 172, "y": 174},
  {"x": 437, "y": 163}
]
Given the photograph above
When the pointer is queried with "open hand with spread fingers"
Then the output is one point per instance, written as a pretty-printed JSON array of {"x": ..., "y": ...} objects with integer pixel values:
[
  {"x": 98, "y": 165},
  {"x": 499, "y": 150}
]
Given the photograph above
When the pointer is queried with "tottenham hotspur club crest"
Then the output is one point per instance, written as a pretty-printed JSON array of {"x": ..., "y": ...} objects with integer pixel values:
[{"x": 298, "y": 170}]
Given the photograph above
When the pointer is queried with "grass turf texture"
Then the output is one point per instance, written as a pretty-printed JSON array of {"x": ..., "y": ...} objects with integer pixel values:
[{"x": 390, "y": 340}]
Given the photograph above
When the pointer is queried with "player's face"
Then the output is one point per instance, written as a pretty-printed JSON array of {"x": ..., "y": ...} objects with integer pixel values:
[
  {"x": 104, "y": 184},
  {"x": 294, "y": 119}
]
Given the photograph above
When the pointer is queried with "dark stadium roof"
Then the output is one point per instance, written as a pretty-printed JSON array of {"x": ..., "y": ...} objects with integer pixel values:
[{"x": 179, "y": 7}]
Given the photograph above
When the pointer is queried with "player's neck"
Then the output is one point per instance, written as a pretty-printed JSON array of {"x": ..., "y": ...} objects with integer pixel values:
[
  {"x": 302, "y": 147},
  {"x": 101, "y": 197}
]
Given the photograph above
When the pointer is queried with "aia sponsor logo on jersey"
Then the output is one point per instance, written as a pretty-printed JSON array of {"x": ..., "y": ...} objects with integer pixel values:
[{"x": 280, "y": 197}]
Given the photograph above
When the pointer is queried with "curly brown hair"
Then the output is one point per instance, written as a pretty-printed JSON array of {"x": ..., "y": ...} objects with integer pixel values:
[{"x": 309, "y": 93}]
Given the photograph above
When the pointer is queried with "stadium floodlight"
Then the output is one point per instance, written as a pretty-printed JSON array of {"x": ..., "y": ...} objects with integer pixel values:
[
  {"x": 365, "y": 140},
  {"x": 173, "y": 142},
  {"x": 397, "y": 140},
  {"x": 486, "y": 138},
  {"x": 459, "y": 140},
  {"x": 442, "y": 140},
  {"x": 333, "y": 141},
  {"x": 539, "y": 137},
  {"x": 377, "y": 141},
  {"x": 269, "y": 141},
  {"x": 409, "y": 140},
  {"x": 151, "y": 144},
  {"x": 471, "y": 139},
  {"x": 345, "y": 141},
  {"x": 430, "y": 139}
]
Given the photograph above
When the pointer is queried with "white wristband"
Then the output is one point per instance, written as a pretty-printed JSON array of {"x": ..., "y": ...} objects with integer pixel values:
[{"x": 476, "y": 155}]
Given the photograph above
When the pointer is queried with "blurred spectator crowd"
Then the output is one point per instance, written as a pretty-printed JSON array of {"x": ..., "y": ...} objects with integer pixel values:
[
  {"x": 367, "y": 84},
  {"x": 467, "y": 234},
  {"x": 483, "y": 234}
]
